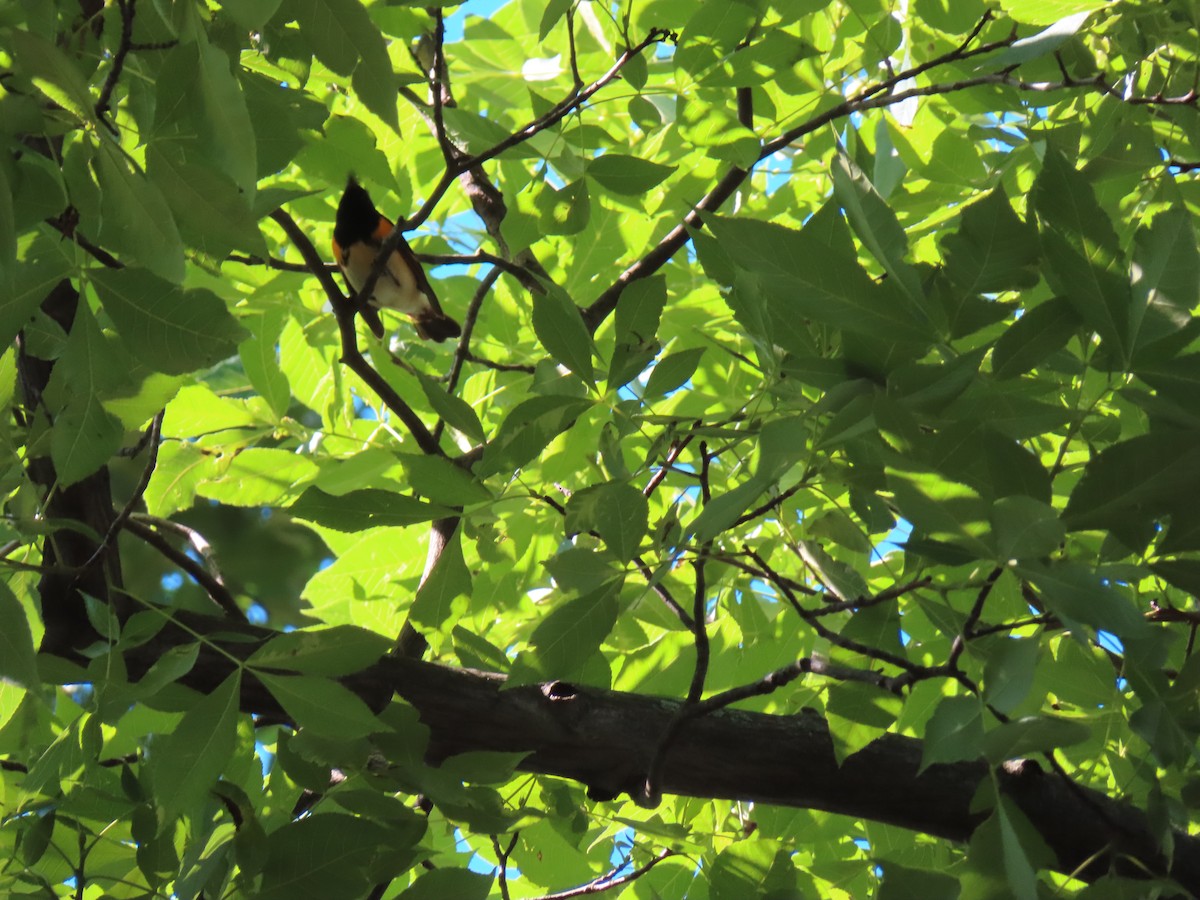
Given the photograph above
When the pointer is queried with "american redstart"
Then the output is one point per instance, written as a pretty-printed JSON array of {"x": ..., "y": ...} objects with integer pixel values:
[{"x": 358, "y": 232}]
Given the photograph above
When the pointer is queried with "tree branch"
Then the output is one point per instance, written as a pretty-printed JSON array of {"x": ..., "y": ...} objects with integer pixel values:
[
  {"x": 606, "y": 739},
  {"x": 212, "y": 583}
]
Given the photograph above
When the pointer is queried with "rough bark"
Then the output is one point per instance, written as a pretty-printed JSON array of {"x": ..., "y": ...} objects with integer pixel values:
[{"x": 605, "y": 739}]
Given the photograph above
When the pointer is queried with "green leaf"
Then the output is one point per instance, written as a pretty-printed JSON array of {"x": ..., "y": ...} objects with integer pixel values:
[
  {"x": 560, "y": 328},
  {"x": 1077, "y": 594},
  {"x": 1044, "y": 12},
  {"x": 639, "y": 309},
  {"x": 566, "y": 638},
  {"x": 454, "y": 410},
  {"x": 260, "y": 359},
  {"x": 551, "y": 15},
  {"x": 672, "y": 371},
  {"x": 1135, "y": 482},
  {"x": 135, "y": 219},
  {"x": 954, "y": 732},
  {"x": 638, "y": 312},
  {"x": 993, "y": 250},
  {"x": 998, "y": 865},
  {"x": 168, "y": 668},
  {"x": 54, "y": 73},
  {"x": 322, "y": 705},
  {"x": 211, "y": 210},
  {"x": 865, "y": 712},
  {"x": 336, "y": 651},
  {"x": 457, "y": 883},
  {"x": 584, "y": 570},
  {"x": 1008, "y": 675},
  {"x": 723, "y": 510},
  {"x": 184, "y": 764},
  {"x": 843, "y": 581},
  {"x": 1183, "y": 573},
  {"x": 260, "y": 476},
  {"x": 1025, "y": 528},
  {"x": 527, "y": 430},
  {"x": 876, "y": 225},
  {"x": 615, "y": 510},
  {"x": 223, "y": 119},
  {"x": 1032, "y": 734},
  {"x": 1166, "y": 279},
  {"x": 17, "y": 662},
  {"x": 483, "y": 766},
  {"x": 627, "y": 175},
  {"x": 450, "y": 578},
  {"x": 180, "y": 469},
  {"x": 441, "y": 481},
  {"x": 8, "y": 240},
  {"x": 1081, "y": 252},
  {"x": 1039, "y": 332},
  {"x": 802, "y": 277},
  {"x": 344, "y": 38},
  {"x": 332, "y": 854},
  {"x": 367, "y": 508},
  {"x": 42, "y": 267},
  {"x": 170, "y": 329},
  {"x": 1063, "y": 18},
  {"x": 85, "y": 435},
  {"x": 565, "y": 210},
  {"x": 742, "y": 869},
  {"x": 943, "y": 511},
  {"x": 976, "y": 455}
]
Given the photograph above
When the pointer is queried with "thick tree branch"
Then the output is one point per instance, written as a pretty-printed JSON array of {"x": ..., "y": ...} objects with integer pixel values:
[{"x": 606, "y": 739}]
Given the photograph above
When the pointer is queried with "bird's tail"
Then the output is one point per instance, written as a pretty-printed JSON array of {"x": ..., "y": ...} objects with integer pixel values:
[{"x": 434, "y": 325}]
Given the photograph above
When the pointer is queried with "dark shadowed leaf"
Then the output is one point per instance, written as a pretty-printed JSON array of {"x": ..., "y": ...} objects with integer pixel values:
[
  {"x": 367, "y": 508},
  {"x": 170, "y": 328},
  {"x": 334, "y": 651}
]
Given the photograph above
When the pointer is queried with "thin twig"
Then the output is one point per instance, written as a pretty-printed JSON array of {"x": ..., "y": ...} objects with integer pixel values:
[
  {"x": 281, "y": 265},
  {"x": 609, "y": 881},
  {"x": 677, "y": 447},
  {"x": 344, "y": 311},
  {"x": 832, "y": 636},
  {"x": 968, "y": 629},
  {"x": 128, "y": 9},
  {"x": 576, "y": 78},
  {"x": 465, "y": 163},
  {"x": 768, "y": 684},
  {"x": 65, "y": 225},
  {"x": 699, "y": 633},
  {"x": 667, "y": 247},
  {"x": 463, "y": 351},
  {"x": 154, "y": 433},
  {"x": 502, "y": 862},
  {"x": 663, "y": 594},
  {"x": 474, "y": 357},
  {"x": 212, "y": 585},
  {"x": 771, "y": 504}
]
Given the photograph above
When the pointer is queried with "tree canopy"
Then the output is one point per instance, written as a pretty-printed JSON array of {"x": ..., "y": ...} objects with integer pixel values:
[{"x": 808, "y": 508}]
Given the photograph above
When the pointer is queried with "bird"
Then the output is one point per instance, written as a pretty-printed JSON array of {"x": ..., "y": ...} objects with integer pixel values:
[{"x": 358, "y": 232}]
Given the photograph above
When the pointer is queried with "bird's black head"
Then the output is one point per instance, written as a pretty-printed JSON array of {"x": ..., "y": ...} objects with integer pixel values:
[{"x": 357, "y": 217}]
